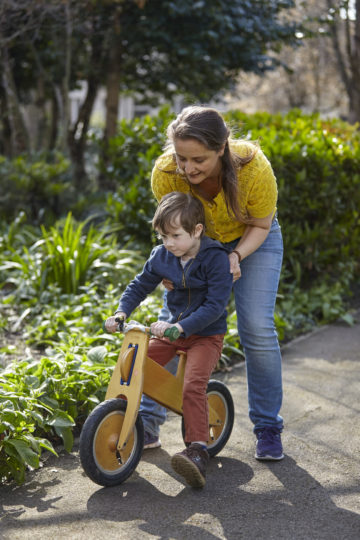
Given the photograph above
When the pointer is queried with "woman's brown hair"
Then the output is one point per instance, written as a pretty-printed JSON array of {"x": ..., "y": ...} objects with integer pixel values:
[{"x": 207, "y": 126}]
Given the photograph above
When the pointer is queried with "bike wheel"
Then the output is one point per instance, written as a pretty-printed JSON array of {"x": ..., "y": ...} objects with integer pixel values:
[
  {"x": 99, "y": 456},
  {"x": 220, "y": 399}
]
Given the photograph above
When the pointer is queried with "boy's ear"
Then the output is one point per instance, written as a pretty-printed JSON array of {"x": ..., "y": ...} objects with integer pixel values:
[{"x": 198, "y": 230}]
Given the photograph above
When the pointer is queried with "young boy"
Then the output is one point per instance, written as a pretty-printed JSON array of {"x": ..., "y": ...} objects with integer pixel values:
[{"x": 199, "y": 269}]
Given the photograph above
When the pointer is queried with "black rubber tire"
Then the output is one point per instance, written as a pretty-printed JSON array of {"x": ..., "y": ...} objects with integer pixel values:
[
  {"x": 219, "y": 393},
  {"x": 100, "y": 433}
]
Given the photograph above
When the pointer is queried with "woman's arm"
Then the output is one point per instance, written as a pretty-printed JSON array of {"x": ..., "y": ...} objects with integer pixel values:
[{"x": 255, "y": 234}]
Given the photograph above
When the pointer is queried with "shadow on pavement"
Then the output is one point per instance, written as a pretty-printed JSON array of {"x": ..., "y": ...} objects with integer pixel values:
[{"x": 300, "y": 508}]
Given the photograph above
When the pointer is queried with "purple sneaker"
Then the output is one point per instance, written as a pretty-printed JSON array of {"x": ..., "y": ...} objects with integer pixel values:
[
  {"x": 268, "y": 446},
  {"x": 151, "y": 441}
]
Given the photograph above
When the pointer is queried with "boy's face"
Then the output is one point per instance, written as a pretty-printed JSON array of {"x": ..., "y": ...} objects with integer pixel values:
[{"x": 179, "y": 242}]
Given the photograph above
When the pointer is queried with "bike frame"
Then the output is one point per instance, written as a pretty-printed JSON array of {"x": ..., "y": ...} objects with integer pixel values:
[{"x": 135, "y": 373}]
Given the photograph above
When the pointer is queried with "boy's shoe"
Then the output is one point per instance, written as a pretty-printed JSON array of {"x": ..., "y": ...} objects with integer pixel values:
[
  {"x": 268, "y": 446},
  {"x": 191, "y": 464},
  {"x": 151, "y": 441}
]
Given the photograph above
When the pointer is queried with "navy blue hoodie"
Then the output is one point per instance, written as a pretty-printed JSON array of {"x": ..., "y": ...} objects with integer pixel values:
[{"x": 201, "y": 289}]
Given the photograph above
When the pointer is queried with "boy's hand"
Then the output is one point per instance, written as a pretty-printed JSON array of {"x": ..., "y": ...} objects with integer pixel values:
[
  {"x": 111, "y": 325},
  {"x": 158, "y": 328}
]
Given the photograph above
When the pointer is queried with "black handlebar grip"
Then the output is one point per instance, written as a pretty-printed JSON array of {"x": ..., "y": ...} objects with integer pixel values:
[{"x": 121, "y": 322}]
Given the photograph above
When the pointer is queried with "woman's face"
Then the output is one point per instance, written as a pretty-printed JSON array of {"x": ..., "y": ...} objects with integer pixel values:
[{"x": 197, "y": 161}]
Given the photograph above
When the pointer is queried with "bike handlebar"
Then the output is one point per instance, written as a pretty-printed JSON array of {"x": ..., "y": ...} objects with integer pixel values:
[{"x": 171, "y": 333}]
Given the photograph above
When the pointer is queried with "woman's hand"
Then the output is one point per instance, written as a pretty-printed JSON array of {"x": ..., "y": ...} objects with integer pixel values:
[
  {"x": 234, "y": 266},
  {"x": 168, "y": 284}
]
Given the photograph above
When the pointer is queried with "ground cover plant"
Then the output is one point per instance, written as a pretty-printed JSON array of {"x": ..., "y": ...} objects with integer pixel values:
[{"x": 62, "y": 275}]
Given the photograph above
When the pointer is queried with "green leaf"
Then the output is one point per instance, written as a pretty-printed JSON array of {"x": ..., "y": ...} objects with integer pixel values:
[
  {"x": 37, "y": 417},
  {"x": 348, "y": 318},
  {"x": 32, "y": 382},
  {"x": 14, "y": 468},
  {"x": 60, "y": 419},
  {"x": 20, "y": 319},
  {"x": 24, "y": 451},
  {"x": 44, "y": 443},
  {"x": 67, "y": 437},
  {"x": 50, "y": 402},
  {"x": 97, "y": 354}
]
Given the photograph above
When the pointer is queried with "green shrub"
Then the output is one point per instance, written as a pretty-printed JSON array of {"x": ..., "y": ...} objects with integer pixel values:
[
  {"x": 40, "y": 185},
  {"x": 68, "y": 255},
  {"x": 59, "y": 282},
  {"x": 42, "y": 400},
  {"x": 131, "y": 156},
  {"x": 20, "y": 448},
  {"x": 317, "y": 165},
  {"x": 316, "y": 162}
]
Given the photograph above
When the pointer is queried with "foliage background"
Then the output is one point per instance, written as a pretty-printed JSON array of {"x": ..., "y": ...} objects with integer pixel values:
[{"x": 66, "y": 255}]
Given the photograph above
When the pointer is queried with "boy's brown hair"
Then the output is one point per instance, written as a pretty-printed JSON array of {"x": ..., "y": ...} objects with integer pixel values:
[{"x": 177, "y": 204}]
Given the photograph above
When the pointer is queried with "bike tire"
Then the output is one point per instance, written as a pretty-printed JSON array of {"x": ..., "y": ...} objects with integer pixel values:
[
  {"x": 98, "y": 440},
  {"x": 220, "y": 398}
]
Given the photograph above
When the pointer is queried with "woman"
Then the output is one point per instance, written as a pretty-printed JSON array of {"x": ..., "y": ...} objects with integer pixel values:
[{"x": 235, "y": 182}]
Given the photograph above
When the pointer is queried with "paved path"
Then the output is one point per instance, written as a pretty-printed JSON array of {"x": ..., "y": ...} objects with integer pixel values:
[{"x": 312, "y": 494}]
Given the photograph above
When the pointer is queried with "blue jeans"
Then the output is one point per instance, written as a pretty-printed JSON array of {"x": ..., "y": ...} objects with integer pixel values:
[{"x": 255, "y": 297}]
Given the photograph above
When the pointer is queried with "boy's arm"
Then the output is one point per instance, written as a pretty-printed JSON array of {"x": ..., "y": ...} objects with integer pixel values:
[
  {"x": 220, "y": 283},
  {"x": 138, "y": 289}
]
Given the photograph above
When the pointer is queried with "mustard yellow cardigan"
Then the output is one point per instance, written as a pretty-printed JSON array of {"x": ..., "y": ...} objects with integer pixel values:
[{"x": 257, "y": 191}]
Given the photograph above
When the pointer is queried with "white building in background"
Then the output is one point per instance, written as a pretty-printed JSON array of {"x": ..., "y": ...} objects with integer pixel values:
[{"x": 129, "y": 108}]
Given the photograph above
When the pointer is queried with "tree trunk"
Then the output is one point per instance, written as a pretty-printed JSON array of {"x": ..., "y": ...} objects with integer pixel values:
[
  {"x": 54, "y": 118},
  {"x": 354, "y": 97},
  {"x": 113, "y": 79},
  {"x": 77, "y": 135},
  {"x": 43, "y": 124},
  {"x": 19, "y": 137},
  {"x": 5, "y": 134},
  {"x": 112, "y": 108},
  {"x": 65, "y": 89},
  {"x": 354, "y": 106},
  {"x": 112, "y": 95},
  {"x": 349, "y": 59}
]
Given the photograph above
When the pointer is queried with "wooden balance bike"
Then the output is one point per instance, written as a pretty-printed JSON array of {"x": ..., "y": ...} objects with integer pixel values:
[{"x": 112, "y": 438}]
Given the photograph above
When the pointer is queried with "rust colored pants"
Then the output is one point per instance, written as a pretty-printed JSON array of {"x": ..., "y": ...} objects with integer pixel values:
[{"x": 203, "y": 354}]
